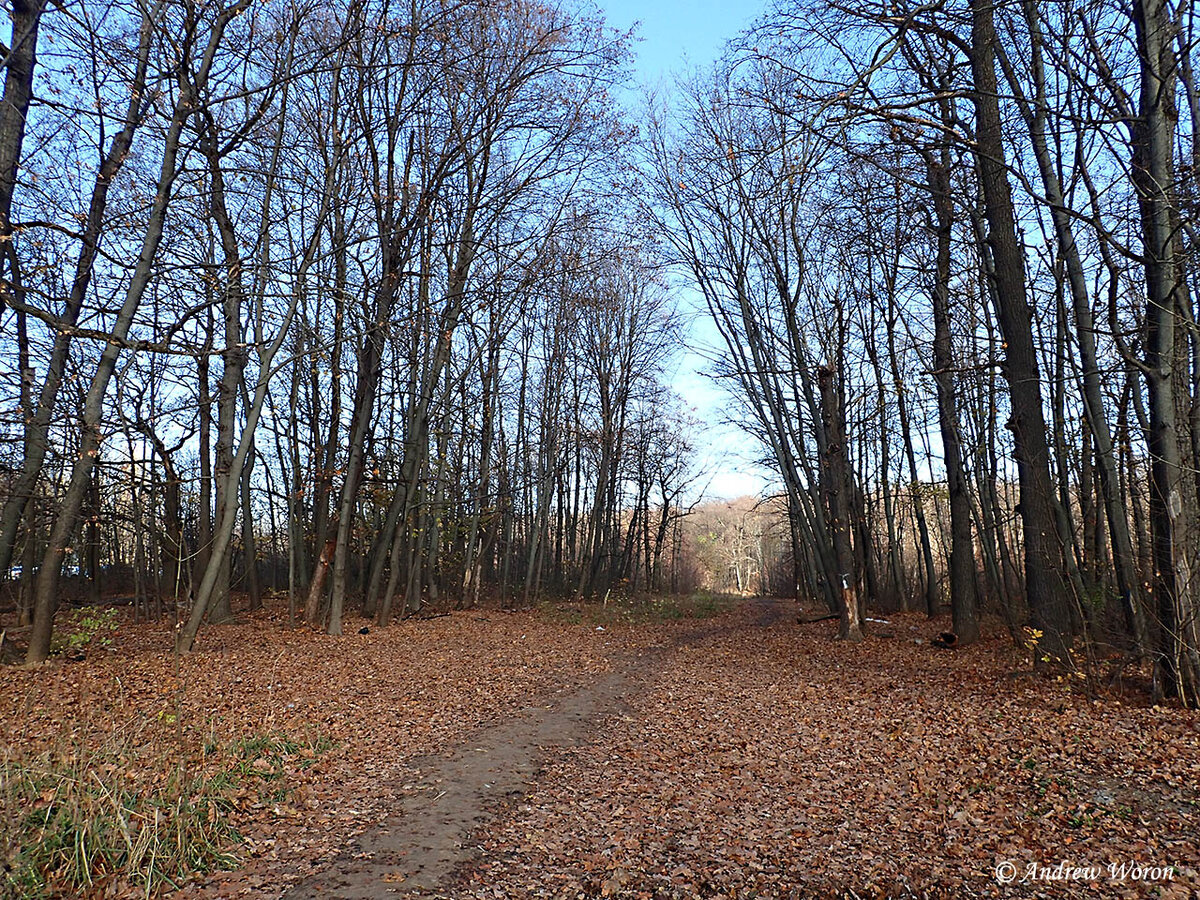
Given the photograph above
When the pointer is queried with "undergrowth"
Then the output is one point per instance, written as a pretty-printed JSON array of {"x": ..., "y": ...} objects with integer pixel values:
[
  {"x": 620, "y": 609},
  {"x": 75, "y": 821}
]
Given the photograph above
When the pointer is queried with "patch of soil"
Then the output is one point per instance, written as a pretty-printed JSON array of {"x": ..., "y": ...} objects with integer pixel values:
[
  {"x": 420, "y": 847},
  {"x": 421, "y": 844}
]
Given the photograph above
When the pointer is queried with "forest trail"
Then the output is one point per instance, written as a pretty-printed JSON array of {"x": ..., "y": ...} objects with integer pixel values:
[
  {"x": 417, "y": 851},
  {"x": 540, "y": 753},
  {"x": 748, "y": 756}
]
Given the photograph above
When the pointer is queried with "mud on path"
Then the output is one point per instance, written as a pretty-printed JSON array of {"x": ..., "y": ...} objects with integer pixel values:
[{"x": 416, "y": 851}]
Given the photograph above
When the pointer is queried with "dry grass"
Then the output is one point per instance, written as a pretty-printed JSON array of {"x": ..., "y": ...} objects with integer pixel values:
[{"x": 130, "y": 813}]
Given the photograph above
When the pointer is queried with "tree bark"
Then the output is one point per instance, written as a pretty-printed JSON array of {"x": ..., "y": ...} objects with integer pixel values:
[
  {"x": 1172, "y": 506},
  {"x": 963, "y": 601},
  {"x": 1044, "y": 586},
  {"x": 1034, "y": 112},
  {"x": 836, "y": 485}
]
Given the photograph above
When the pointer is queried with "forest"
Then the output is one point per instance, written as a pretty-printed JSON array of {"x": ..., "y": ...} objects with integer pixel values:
[{"x": 323, "y": 321}]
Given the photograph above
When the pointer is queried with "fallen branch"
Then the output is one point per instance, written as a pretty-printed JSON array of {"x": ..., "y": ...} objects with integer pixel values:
[{"x": 825, "y": 618}]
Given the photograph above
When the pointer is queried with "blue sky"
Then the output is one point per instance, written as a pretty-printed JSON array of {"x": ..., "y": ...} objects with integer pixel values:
[
  {"x": 673, "y": 38},
  {"x": 677, "y": 35}
]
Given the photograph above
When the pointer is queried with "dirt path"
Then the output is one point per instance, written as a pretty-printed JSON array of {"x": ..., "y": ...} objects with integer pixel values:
[
  {"x": 416, "y": 851},
  {"x": 741, "y": 756}
]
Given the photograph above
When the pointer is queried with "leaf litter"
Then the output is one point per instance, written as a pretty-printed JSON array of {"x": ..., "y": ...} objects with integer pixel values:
[{"x": 746, "y": 757}]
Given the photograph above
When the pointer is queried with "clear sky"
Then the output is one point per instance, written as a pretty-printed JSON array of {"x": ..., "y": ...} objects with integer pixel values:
[{"x": 674, "y": 37}]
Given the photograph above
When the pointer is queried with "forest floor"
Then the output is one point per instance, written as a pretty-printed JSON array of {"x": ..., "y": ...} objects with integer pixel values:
[{"x": 717, "y": 750}]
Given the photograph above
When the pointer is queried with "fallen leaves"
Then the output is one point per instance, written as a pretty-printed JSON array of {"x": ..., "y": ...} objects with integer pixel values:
[
  {"x": 757, "y": 758},
  {"x": 373, "y": 701},
  {"x": 774, "y": 762}
]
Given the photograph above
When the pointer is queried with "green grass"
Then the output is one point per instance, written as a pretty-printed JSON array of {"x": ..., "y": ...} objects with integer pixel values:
[
  {"x": 71, "y": 828},
  {"x": 642, "y": 610},
  {"x": 75, "y": 819},
  {"x": 88, "y": 629}
]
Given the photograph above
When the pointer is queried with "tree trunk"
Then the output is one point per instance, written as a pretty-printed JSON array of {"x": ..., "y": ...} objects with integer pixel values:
[
  {"x": 249, "y": 542},
  {"x": 963, "y": 602},
  {"x": 834, "y": 476},
  {"x": 12, "y": 123},
  {"x": 233, "y": 359},
  {"x": 1044, "y": 586},
  {"x": 46, "y": 597},
  {"x": 1034, "y": 111},
  {"x": 1172, "y": 495}
]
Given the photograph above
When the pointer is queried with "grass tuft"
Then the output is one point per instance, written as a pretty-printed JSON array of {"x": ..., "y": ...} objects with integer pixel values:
[{"x": 73, "y": 820}]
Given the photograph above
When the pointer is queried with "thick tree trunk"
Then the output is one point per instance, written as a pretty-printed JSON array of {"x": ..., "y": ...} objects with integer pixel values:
[
  {"x": 233, "y": 359},
  {"x": 20, "y": 64},
  {"x": 249, "y": 542},
  {"x": 835, "y": 483},
  {"x": 1034, "y": 111},
  {"x": 1172, "y": 495},
  {"x": 1044, "y": 586},
  {"x": 369, "y": 361},
  {"x": 204, "y": 515}
]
